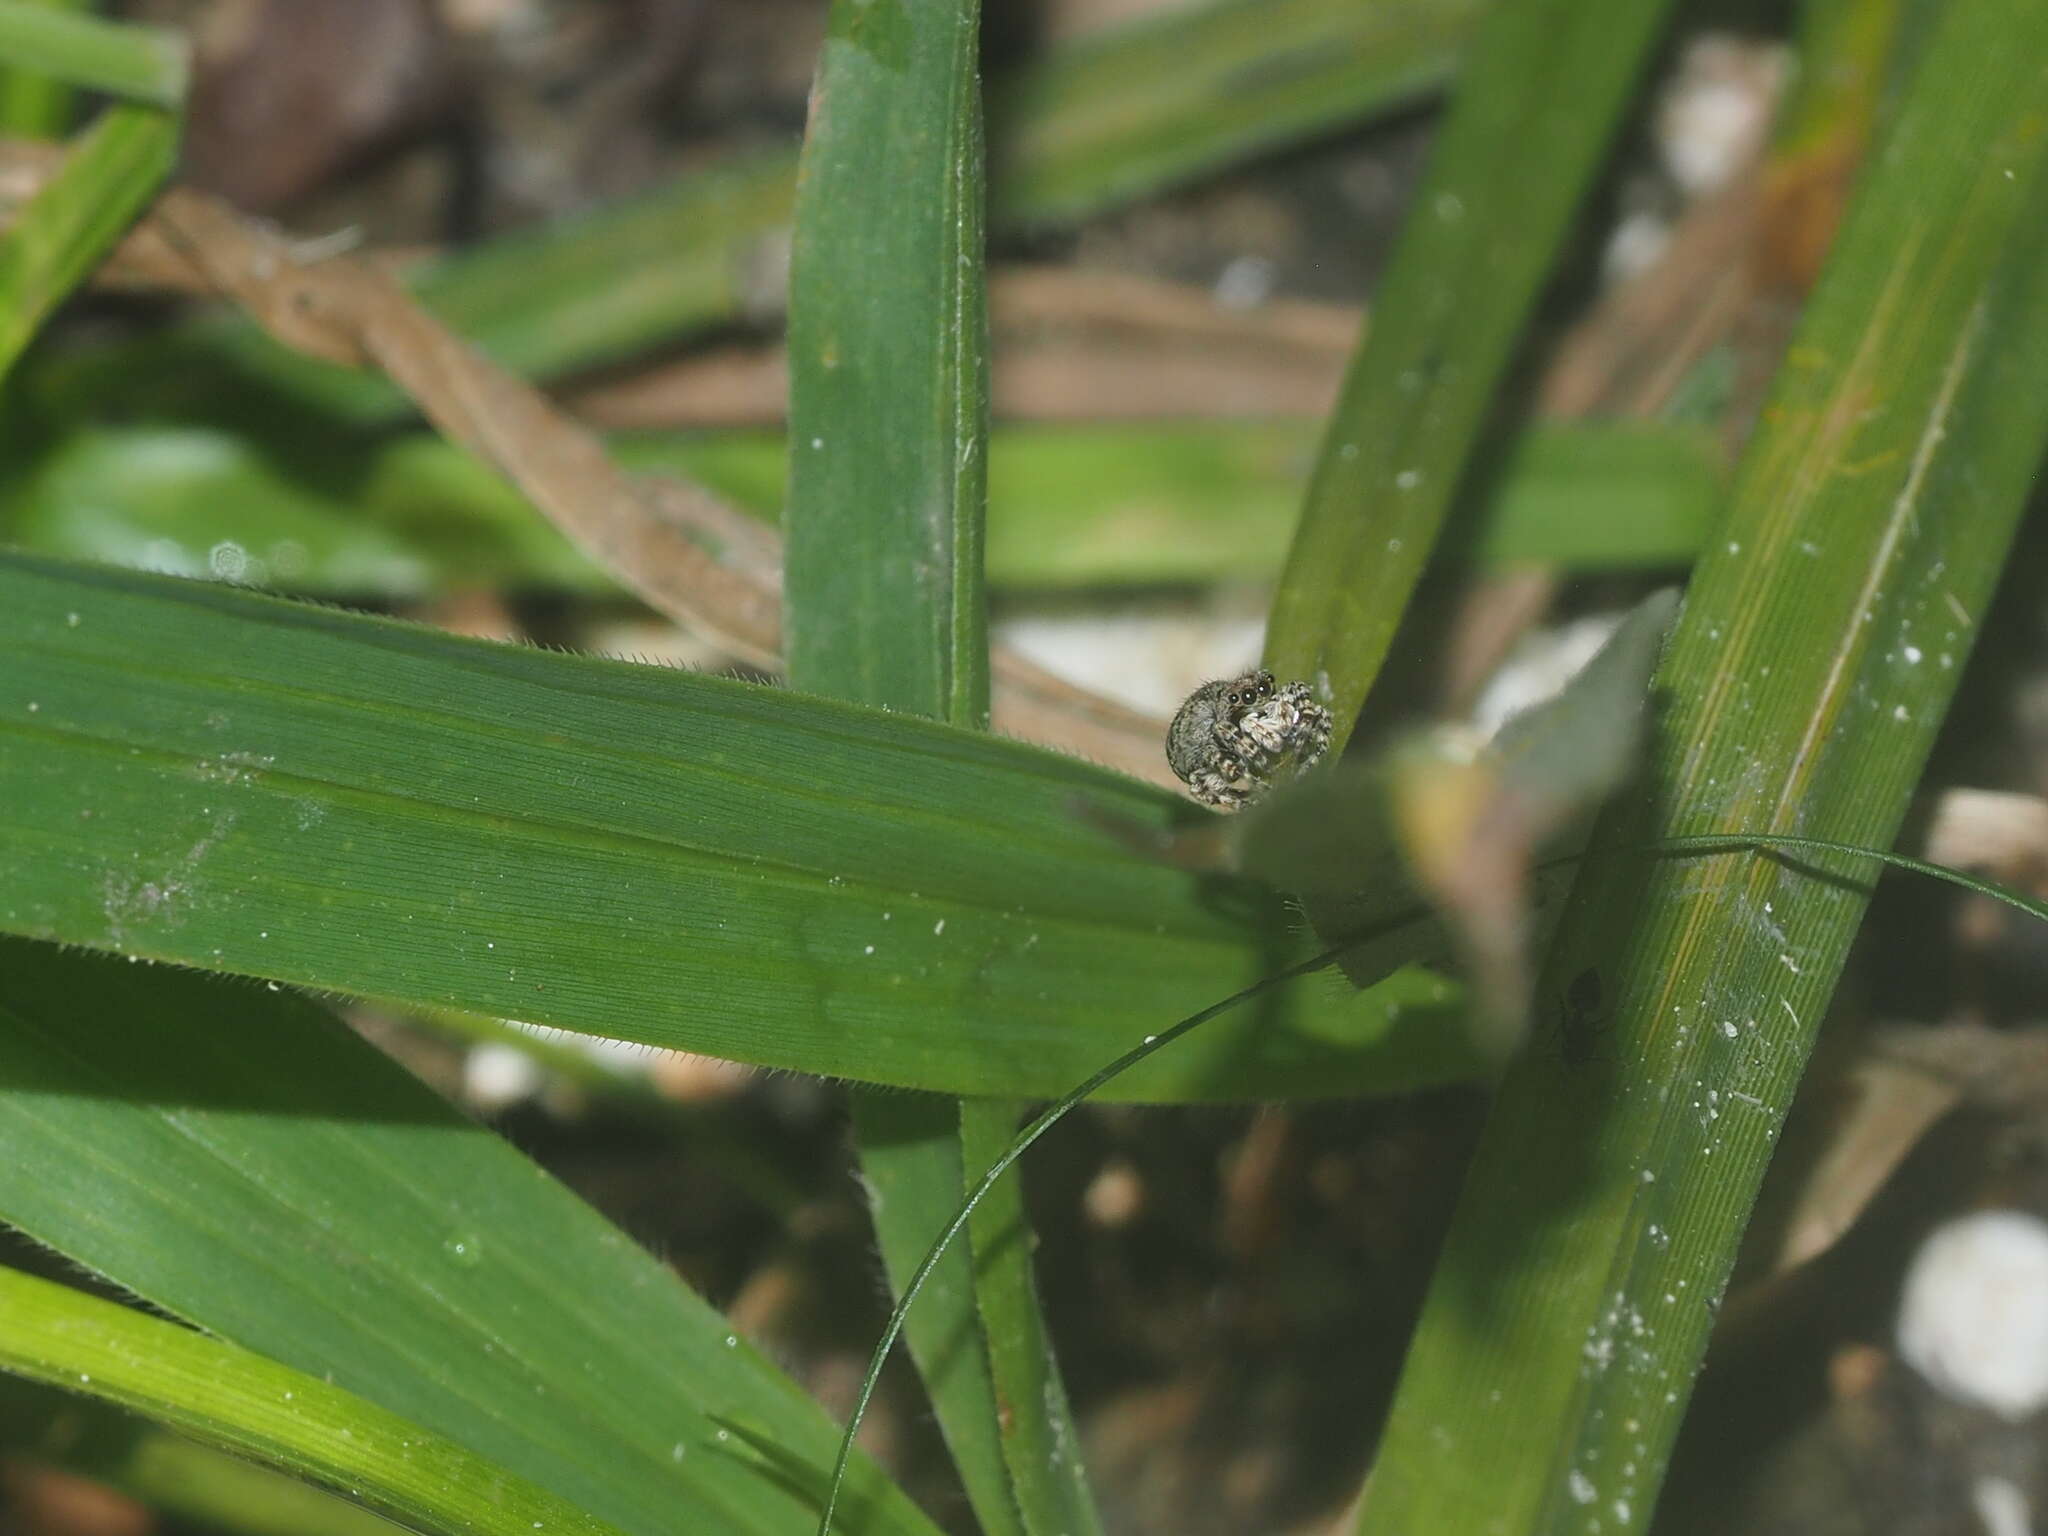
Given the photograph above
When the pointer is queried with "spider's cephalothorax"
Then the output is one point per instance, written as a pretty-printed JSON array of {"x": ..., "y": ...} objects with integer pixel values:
[{"x": 1231, "y": 734}]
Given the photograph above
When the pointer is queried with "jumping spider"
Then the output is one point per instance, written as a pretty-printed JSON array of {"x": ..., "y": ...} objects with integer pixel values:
[{"x": 1232, "y": 733}]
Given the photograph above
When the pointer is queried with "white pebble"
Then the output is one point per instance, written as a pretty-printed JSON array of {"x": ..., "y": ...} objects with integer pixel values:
[{"x": 1974, "y": 1317}]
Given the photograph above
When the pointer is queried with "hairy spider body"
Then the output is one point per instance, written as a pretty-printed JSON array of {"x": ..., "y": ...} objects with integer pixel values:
[{"x": 1232, "y": 733}]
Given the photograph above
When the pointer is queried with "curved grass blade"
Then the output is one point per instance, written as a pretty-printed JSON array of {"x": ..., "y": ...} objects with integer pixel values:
[
  {"x": 236, "y": 1157},
  {"x": 32, "y": 104},
  {"x": 142, "y": 64},
  {"x": 193, "y": 773},
  {"x": 167, "y": 1471},
  {"x": 111, "y": 172},
  {"x": 242, "y": 1402},
  {"x": 1543, "y": 86},
  {"x": 1771, "y": 842},
  {"x": 1821, "y": 640}
]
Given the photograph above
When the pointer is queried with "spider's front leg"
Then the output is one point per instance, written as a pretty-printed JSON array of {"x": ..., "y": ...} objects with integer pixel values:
[
  {"x": 1247, "y": 740},
  {"x": 1311, "y": 730}
]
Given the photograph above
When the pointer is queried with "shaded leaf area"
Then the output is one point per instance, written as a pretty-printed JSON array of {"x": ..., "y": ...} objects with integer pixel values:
[
  {"x": 706, "y": 248},
  {"x": 238, "y": 1158},
  {"x": 1489, "y": 832},
  {"x": 240, "y": 1401},
  {"x": 1821, "y": 642},
  {"x": 197, "y": 774},
  {"x": 1070, "y": 506}
]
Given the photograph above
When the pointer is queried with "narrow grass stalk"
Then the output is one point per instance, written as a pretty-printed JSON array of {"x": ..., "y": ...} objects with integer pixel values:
[
  {"x": 1543, "y": 87},
  {"x": 888, "y": 340}
]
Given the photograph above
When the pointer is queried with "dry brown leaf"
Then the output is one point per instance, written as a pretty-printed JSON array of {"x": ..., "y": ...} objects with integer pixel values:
[
  {"x": 1892, "y": 1104},
  {"x": 1069, "y": 345}
]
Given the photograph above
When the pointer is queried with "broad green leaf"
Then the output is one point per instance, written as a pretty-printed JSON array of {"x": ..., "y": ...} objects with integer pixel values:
[
  {"x": 1826, "y": 628},
  {"x": 240, "y": 1401},
  {"x": 1545, "y": 83},
  {"x": 239, "y": 1159},
  {"x": 141, "y": 64},
  {"x": 55, "y": 241},
  {"x": 193, "y": 773}
]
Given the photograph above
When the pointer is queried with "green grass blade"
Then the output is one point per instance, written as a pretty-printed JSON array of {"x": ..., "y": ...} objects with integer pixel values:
[
  {"x": 575, "y": 294},
  {"x": 888, "y": 344},
  {"x": 912, "y": 1165},
  {"x": 1823, "y": 635},
  {"x": 1603, "y": 496},
  {"x": 1135, "y": 109},
  {"x": 166, "y": 1471},
  {"x": 240, "y": 1401},
  {"x": 139, "y": 64},
  {"x": 110, "y": 174},
  {"x": 33, "y": 105},
  {"x": 1070, "y": 505},
  {"x": 1129, "y": 504},
  {"x": 888, "y": 358},
  {"x": 1034, "y": 1423},
  {"x": 1544, "y": 85},
  {"x": 192, "y": 773},
  {"x": 236, "y": 1157},
  {"x": 999, "y": 1168}
]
